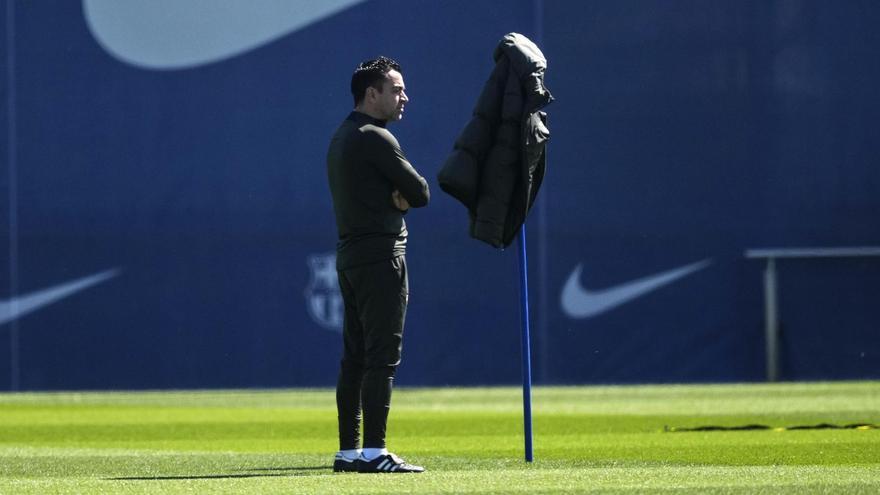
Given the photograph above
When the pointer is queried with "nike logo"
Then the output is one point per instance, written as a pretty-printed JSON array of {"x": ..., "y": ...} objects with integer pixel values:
[
  {"x": 181, "y": 34},
  {"x": 22, "y": 305},
  {"x": 578, "y": 302}
]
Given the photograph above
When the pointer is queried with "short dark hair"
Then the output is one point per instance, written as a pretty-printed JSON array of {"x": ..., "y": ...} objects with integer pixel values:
[{"x": 371, "y": 73}]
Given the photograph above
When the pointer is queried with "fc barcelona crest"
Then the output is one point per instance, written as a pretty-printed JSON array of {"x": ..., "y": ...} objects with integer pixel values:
[{"x": 323, "y": 299}]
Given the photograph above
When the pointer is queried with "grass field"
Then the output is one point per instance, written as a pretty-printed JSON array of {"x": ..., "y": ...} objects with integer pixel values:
[{"x": 587, "y": 439}]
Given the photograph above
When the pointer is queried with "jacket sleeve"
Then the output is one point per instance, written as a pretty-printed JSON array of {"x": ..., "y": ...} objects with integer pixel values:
[
  {"x": 460, "y": 174},
  {"x": 501, "y": 169},
  {"x": 390, "y": 161}
]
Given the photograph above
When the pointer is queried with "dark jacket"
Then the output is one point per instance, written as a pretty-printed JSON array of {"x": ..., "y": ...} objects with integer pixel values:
[{"x": 498, "y": 161}]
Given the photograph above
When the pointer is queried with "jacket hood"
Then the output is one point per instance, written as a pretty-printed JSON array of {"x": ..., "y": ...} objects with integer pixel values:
[{"x": 528, "y": 63}]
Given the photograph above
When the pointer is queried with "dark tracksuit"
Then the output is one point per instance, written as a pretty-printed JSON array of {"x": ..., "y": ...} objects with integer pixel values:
[{"x": 365, "y": 165}]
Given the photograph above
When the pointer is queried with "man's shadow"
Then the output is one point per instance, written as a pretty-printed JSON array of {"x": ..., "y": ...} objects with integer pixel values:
[{"x": 266, "y": 473}]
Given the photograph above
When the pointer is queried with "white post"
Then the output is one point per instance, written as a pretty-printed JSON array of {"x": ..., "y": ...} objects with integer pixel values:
[{"x": 771, "y": 321}]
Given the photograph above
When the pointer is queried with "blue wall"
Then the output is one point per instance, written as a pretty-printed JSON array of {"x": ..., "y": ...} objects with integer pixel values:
[{"x": 683, "y": 132}]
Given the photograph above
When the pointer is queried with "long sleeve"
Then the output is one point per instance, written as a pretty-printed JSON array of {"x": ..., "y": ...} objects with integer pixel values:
[{"x": 391, "y": 162}]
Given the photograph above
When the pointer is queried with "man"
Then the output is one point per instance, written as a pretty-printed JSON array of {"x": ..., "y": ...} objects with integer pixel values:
[{"x": 373, "y": 185}]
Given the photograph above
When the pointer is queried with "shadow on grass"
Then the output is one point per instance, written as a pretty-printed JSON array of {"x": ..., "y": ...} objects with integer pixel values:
[
  {"x": 298, "y": 468},
  {"x": 753, "y": 427},
  {"x": 269, "y": 473}
]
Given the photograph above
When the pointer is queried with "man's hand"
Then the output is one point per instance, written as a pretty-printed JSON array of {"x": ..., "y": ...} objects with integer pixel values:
[{"x": 399, "y": 201}]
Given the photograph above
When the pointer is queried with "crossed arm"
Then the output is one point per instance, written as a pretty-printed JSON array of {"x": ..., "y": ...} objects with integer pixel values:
[{"x": 410, "y": 188}]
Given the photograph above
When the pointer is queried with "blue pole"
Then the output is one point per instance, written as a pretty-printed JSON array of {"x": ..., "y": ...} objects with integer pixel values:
[{"x": 526, "y": 346}]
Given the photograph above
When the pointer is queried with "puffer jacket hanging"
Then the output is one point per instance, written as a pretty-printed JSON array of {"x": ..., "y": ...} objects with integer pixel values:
[{"x": 499, "y": 159}]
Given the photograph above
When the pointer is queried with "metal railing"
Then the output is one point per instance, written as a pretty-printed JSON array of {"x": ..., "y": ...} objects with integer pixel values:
[{"x": 771, "y": 289}]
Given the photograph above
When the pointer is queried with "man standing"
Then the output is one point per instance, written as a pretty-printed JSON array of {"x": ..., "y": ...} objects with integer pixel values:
[{"x": 373, "y": 185}]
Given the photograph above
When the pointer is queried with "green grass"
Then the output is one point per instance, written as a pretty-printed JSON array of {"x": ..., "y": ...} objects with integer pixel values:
[{"x": 587, "y": 439}]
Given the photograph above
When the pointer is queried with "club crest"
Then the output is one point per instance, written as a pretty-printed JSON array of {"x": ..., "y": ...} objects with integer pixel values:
[{"x": 323, "y": 299}]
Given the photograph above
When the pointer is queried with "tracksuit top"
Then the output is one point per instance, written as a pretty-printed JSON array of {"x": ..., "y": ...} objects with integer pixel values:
[{"x": 364, "y": 166}]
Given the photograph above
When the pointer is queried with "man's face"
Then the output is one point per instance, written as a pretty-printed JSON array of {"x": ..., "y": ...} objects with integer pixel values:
[{"x": 392, "y": 99}]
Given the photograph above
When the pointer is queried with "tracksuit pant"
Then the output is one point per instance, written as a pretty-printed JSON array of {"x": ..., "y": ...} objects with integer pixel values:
[{"x": 375, "y": 298}]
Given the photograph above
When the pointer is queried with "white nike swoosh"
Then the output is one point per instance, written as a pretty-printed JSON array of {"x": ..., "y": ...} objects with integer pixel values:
[
  {"x": 578, "y": 302},
  {"x": 180, "y": 34},
  {"x": 22, "y": 305}
]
